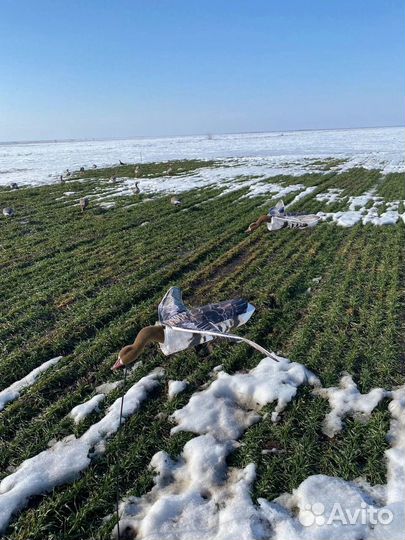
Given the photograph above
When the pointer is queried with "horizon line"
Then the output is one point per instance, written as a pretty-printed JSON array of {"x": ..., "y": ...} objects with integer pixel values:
[{"x": 205, "y": 134}]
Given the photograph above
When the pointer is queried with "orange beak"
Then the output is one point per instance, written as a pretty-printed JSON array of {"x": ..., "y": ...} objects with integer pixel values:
[{"x": 119, "y": 364}]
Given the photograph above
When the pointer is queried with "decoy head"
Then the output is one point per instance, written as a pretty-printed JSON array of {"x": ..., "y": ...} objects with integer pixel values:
[
  {"x": 252, "y": 227},
  {"x": 131, "y": 353},
  {"x": 127, "y": 356}
]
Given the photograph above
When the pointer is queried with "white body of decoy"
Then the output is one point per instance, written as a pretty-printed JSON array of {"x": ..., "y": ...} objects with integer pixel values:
[{"x": 280, "y": 219}]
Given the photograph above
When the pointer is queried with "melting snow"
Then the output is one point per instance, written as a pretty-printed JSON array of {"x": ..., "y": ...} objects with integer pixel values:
[
  {"x": 301, "y": 195},
  {"x": 198, "y": 496},
  {"x": 13, "y": 392},
  {"x": 67, "y": 458},
  {"x": 81, "y": 411},
  {"x": 274, "y": 153},
  {"x": 106, "y": 388},
  {"x": 330, "y": 196},
  {"x": 228, "y": 407},
  {"x": 347, "y": 401},
  {"x": 176, "y": 387},
  {"x": 358, "y": 212},
  {"x": 396, "y": 454}
]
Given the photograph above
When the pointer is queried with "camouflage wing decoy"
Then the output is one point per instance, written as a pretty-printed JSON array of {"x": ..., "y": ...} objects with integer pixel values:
[{"x": 186, "y": 327}]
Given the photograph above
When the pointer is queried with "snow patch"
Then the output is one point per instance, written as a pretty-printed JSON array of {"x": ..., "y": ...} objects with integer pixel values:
[
  {"x": 302, "y": 195},
  {"x": 81, "y": 411},
  {"x": 273, "y": 153},
  {"x": 64, "y": 461},
  {"x": 198, "y": 496},
  {"x": 330, "y": 196},
  {"x": 346, "y": 400},
  {"x": 109, "y": 387},
  {"x": 176, "y": 387},
  {"x": 228, "y": 407},
  {"x": 13, "y": 392}
]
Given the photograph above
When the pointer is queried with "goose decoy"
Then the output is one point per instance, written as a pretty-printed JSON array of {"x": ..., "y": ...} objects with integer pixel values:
[
  {"x": 94, "y": 166},
  {"x": 277, "y": 219},
  {"x": 61, "y": 179},
  {"x": 81, "y": 169},
  {"x": 121, "y": 163},
  {"x": 67, "y": 172},
  {"x": 169, "y": 170},
  {"x": 8, "y": 212},
  {"x": 84, "y": 203},
  {"x": 136, "y": 189},
  {"x": 180, "y": 327},
  {"x": 136, "y": 171},
  {"x": 13, "y": 185},
  {"x": 113, "y": 180},
  {"x": 175, "y": 201}
]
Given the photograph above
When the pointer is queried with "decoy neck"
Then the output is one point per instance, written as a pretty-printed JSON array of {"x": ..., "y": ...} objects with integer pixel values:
[
  {"x": 147, "y": 335},
  {"x": 255, "y": 225}
]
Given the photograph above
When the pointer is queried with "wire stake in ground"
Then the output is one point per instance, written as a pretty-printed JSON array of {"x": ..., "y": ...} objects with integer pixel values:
[{"x": 118, "y": 463}]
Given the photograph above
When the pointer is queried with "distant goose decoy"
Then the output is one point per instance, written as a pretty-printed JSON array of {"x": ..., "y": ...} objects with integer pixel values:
[
  {"x": 121, "y": 163},
  {"x": 136, "y": 171},
  {"x": 13, "y": 185},
  {"x": 136, "y": 189},
  {"x": 180, "y": 327},
  {"x": 84, "y": 203},
  {"x": 113, "y": 180},
  {"x": 67, "y": 172},
  {"x": 8, "y": 212},
  {"x": 175, "y": 201},
  {"x": 94, "y": 166},
  {"x": 61, "y": 179},
  {"x": 81, "y": 169}
]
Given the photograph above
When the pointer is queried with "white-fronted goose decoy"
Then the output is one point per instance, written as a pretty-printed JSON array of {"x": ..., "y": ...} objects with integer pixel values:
[
  {"x": 8, "y": 212},
  {"x": 175, "y": 201},
  {"x": 180, "y": 327},
  {"x": 84, "y": 203},
  {"x": 277, "y": 219}
]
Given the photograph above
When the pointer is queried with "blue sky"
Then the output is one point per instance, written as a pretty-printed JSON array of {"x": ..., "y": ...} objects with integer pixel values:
[{"x": 121, "y": 68}]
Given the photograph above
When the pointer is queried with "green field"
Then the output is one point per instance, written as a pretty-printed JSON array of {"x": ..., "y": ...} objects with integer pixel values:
[{"x": 82, "y": 286}]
